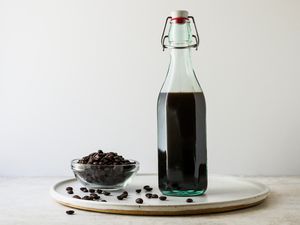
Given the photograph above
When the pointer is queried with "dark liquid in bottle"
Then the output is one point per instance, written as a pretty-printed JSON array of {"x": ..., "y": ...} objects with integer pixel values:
[{"x": 182, "y": 151}]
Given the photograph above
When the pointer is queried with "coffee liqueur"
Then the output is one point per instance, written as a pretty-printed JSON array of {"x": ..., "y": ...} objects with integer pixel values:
[{"x": 181, "y": 115}]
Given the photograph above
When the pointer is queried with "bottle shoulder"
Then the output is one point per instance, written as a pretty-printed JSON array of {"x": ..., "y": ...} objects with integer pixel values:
[{"x": 178, "y": 82}]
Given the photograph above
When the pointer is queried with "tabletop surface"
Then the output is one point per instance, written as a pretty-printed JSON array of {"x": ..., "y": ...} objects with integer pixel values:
[{"x": 26, "y": 200}]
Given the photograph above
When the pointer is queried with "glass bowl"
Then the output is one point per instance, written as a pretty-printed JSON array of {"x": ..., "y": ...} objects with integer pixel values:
[{"x": 106, "y": 177}]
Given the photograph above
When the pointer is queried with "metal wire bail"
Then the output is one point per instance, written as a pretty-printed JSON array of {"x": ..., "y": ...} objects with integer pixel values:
[{"x": 196, "y": 37}]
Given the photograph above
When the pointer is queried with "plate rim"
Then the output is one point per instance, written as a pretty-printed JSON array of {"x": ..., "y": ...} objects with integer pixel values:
[{"x": 105, "y": 205}]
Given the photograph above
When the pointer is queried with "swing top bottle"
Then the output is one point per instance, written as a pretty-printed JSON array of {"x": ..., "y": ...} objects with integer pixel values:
[{"x": 181, "y": 115}]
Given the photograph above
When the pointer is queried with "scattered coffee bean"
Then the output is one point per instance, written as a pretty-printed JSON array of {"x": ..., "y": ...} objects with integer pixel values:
[
  {"x": 87, "y": 198},
  {"x": 123, "y": 195},
  {"x": 103, "y": 200},
  {"x": 162, "y": 198},
  {"x": 146, "y": 186},
  {"x": 69, "y": 189},
  {"x": 70, "y": 192},
  {"x": 83, "y": 189},
  {"x": 92, "y": 190},
  {"x": 148, "y": 195},
  {"x": 189, "y": 200},
  {"x": 99, "y": 191},
  {"x": 154, "y": 196},
  {"x": 106, "y": 193},
  {"x": 149, "y": 189},
  {"x": 139, "y": 201},
  {"x": 94, "y": 196},
  {"x": 120, "y": 197},
  {"x": 77, "y": 196},
  {"x": 70, "y": 212},
  {"x": 138, "y": 190}
]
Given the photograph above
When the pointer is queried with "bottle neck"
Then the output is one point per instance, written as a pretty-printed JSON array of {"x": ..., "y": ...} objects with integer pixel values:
[
  {"x": 181, "y": 62},
  {"x": 180, "y": 35}
]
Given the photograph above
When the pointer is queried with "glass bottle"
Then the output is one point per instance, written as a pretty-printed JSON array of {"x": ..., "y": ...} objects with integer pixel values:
[{"x": 181, "y": 116}]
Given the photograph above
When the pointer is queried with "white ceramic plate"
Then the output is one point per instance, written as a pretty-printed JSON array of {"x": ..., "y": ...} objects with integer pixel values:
[{"x": 224, "y": 194}]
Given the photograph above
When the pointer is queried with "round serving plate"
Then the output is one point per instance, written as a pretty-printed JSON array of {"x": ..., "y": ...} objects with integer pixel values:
[{"x": 225, "y": 193}]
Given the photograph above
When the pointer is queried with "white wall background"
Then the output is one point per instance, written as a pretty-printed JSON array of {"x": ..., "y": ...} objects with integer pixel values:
[{"x": 79, "y": 75}]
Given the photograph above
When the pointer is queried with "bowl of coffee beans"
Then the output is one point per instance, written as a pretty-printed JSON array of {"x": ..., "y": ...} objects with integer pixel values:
[{"x": 108, "y": 171}]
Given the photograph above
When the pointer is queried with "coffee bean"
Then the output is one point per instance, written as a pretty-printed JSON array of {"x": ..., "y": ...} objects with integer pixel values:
[
  {"x": 96, "y": 157},
  {"x": 162, "y": 198},
  {"x": 99, "y": 191},
  {"x": 92, "y": 190},
  {"x": 148, "y": 189},
  {"x": 106, "y": 193},
  {"x": 69, "y": 189},
  {"x": 148, "y": 195},
  {"x": 120, "y": 197},
  {"x": 77, "y": 196},
  {"x": 146, "y": 186},
  {"x": 87, "y": 198},
  {"x": 189, "y": 200},
  {"x": 70, "y": 192},
  {"x": 103, "y": 200},
  {"x": 123, "y": 195},
  {"x": 94, "y": 196},
  {"x": 70, "y": 212},
  {"x": 139, "y": 201},
  {"x": 154, "y": 196},
  {"x": 83, "y": 189},
  {"x": 138, "y": 190}
]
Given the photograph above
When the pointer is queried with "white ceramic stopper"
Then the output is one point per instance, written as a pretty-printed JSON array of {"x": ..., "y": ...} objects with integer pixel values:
[{"x": 179, "y": 13}]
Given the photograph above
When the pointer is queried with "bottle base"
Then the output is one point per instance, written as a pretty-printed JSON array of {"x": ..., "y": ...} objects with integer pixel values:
[{"x": 184, "y": 193}]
